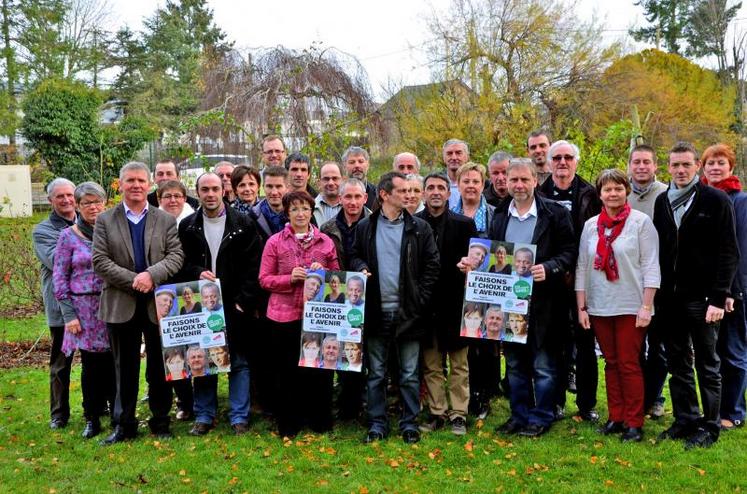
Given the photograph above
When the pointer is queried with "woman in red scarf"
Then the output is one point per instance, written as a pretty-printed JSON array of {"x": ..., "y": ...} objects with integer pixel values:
[
  {"x": 718, "y": 167},
  {"x": 616, "y": 280}
]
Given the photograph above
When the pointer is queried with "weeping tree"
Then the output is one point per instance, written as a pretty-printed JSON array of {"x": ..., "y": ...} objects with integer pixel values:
[{"x": 318, "y": 99}]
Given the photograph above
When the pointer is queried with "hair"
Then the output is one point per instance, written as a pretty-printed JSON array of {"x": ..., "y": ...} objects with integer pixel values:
[
  {"x": 644, "y": 148},
  {"x": 276, "y": 171},
  {"x": 330, "y": 337},
  {"x": 133, "y": 166},
  {"x": 171, "y": 353},
  {"x": 223, "y": 163},
  {"x": 195, "y": 348},
  {"x": 538, "y": 133},
  {"x": 386, "y": 181},
  {"x": 415, "y": 176},
  {"x": 298, "y": 158},
  {"x": 494, "y": 308},
  {"x": 311, "y": 338},
  {"x": 470, "y": 307},
  {"x": 455, "y": 141},
  {"x": 56, "y": 183},
  {"x": 612, "y": 175},
  {"x": 273, "y": 137},
  {"x": 437, "y": 175},
  {"x": 720, "y": 149},
  {"x": 166, "y": 292},
  {"x": 210, "y": 286},
  {"x": 522, "y": 163},
  {"x": 338, "y": 165},
  {"x": 170, "y": 184},
  {"x": 469, "y": 167},
  {"x": 354, "y": 151},
  {"x": 241, "y": 171},
  {"x": 499, "y": 157},
  {"x": 501, "y": 247},
  {"x": 684, "y": 147},
  {"x": 351, "y": 182},
  {"x": 399, "y": 155},
  {"x": 89, "y": 188},
  {"x": 557, "y": 144},
  {"x": 524, "y": 250},
  {"x": 297, "y": 196},
  {"x": 187, "y": 287},
  {"x": 167, "y": 160},
  {"x": 334, "y": 277},
  {"x": 355, "y": 278},
  {"x": 197, "y": 182}
]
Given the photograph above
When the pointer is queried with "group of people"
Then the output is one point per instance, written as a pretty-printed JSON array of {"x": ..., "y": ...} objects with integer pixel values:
[{"x": 649, "y": 271}]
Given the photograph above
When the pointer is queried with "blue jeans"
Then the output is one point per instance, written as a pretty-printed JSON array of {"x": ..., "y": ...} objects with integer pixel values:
[
  {"x": 206, "y": 393},
  {"x": 732, "y": 348},
  {"x": 530, "y": 370},
  {"x": 408, "y": 354}
]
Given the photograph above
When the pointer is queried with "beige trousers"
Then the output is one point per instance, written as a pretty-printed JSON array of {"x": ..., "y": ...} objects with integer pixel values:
[{"x": 437, "y": 385}]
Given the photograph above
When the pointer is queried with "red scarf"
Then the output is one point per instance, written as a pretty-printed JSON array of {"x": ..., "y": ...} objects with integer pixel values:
[
  {"x": 729, "y": 184},
  {"x": 605, "y": 257}
]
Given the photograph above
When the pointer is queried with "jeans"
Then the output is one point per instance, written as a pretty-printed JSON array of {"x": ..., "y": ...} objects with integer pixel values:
[
  {"x": 732, "y": 348},
  {"x": 532, "y": 369},
  {"x": 206, "y": 393},
  {"x": 59, "y": 377},
  {"x": 408, "y": 356}
]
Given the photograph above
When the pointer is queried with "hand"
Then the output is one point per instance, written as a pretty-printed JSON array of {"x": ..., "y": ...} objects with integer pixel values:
[
  {"x": 643, "y": 318},
  {"x": 298, "y": 274},
  {"x": 238, "y": 308},
  {"x": 729, "y": 305},
  {"x": 465, "y": 265},
  {"x": 538, "y": 272},
  {"x": 583, "y": 319},
  {"x": 366, "y": 273},
  {"x": 714, "y": 314},
  {"x": 73, "y": 327},
  {"x": 207, "y": 275},
  {"x": 316, "y": 266},
  {"x": 143, "y": 282}
]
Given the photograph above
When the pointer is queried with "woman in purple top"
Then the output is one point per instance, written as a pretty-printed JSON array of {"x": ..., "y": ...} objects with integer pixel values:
[{"x": 77, "y": 288}]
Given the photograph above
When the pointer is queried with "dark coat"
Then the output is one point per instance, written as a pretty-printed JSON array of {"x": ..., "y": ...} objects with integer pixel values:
[
  {"x": 699, "y": 260},
  {"x": 557, "y": 251},
  {"x": 332, "y": 230},
  {"x": 452, "y": 233},
  {"x": 237, "y": 264},
  {"x": 585, "y": 205},
  {"x": 492, "y": 197},
  {"x": 419, "y": 267}
]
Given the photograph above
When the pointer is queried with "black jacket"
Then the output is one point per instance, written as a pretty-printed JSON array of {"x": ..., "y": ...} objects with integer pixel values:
[
  {"x": 586, "y": 202},
  {"x": 237, "y": 263},
  {"x": 419, "y": 267},
  {"x": 452, "y": 233},
  {"x": 492, "y": 197},
  {"x": 699, "y": 260},
  {"x": 332, "y": 229},
  {"x": 557, "y": 251}
]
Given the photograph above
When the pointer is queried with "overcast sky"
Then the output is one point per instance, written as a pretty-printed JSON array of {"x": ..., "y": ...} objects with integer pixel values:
[{"x": 385, "y": 35}]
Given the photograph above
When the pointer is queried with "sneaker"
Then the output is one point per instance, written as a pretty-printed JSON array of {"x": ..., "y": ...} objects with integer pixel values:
[
  {"x": 483, "y": 411},
  {"x": 458, "y": 426},
  {"x": 701, "y": 438},
  {"x": 572, "y": 382},
  {"x": 373, "y": 436},
  {"x": 589, "y": 415},
  {"x": 411, "y": 436},
  {"x": 433, "y": 424}
]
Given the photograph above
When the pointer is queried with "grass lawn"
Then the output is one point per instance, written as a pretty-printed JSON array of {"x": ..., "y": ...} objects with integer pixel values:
[
  {"x": 571, "y": 458},
  {"x": 27, "y": 328}
]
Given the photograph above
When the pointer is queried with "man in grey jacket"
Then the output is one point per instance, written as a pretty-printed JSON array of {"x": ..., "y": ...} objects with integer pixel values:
[{"x": 61, "y": 197}]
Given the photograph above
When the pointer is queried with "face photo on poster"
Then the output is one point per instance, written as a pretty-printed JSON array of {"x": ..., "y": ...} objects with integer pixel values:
[
  {"x": 516, "y": 328},
  {"x": 323, "y": 351}
]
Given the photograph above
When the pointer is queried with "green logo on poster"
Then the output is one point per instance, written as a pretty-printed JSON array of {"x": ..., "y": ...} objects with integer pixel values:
[
  {"x": 522, "y": 289},
  {"x": 215, "y": 322},
  {"x": 355, "y": 317}
]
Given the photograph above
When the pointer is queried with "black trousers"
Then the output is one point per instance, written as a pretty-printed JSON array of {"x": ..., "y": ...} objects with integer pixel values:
[
  {"x": 261, "y": 364},
  {"x": 688, "y": 332},
  {"x": 59, "y": 377},
  {"x": 654, "y": 365},
  {"x": 97, "y": 383},
  {"x": 579, "y": 353},
  {"x": 125, "y": 341},
  {"x": 350, "y": 397},
  {"x": 301, "y": 395},
  {"x": 484, "y": 359}
]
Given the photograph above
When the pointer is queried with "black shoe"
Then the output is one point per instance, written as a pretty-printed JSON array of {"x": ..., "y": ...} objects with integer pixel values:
[
  {"x": 200, "y": 429},
  {"x": 240, "y": 428},
  {"x": 163, "y": 433},
  {"x": 56, "y": 424},
  {"x": 632, "y": 434},
  {"x": 373, "y": 436},
  {"x": 510, "y": 427},
  {"x": 589, "y": 415},
  {"x": 701, "y": 438},
  {"x": 611, "y": 427},
  {"x": 119, "y": 435},
  {"x": 559, "y": 413},
  {"x": 92, "y": 428},
  {"x": 676, "y": 431},
  {"x": 533, "y": 430},
  {"x": 411, "y": 436}
]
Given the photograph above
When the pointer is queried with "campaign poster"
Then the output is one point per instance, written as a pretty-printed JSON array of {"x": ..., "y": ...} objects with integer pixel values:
[
  {"x": 333, "y": 317},
  {"x": 498, "y": 290},
  {"x": 193, "y": 329}
]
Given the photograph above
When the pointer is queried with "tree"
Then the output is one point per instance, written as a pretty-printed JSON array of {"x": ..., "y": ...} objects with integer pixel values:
[
  {"x": 668, "y": 19},
  {"x": 706, "y": 30}
]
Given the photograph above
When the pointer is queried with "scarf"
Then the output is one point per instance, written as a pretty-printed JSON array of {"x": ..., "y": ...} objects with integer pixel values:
[
  {"x": 305, "y": 239},
  {"x": 85, "y": 228},
  {"x": 241, "y": 206},
  {"x": 605, "y": 256},
  {"x": 480, "y": 215},
  {"x": 276, "y": 220},
  {"x": 729, "y": 185},
  {"x": 638, "y": 190},
  {"x": 678, "y": 198}
]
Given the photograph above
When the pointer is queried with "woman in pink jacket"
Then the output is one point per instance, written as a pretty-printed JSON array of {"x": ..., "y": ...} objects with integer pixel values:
[{"x": 288, "y": 256}]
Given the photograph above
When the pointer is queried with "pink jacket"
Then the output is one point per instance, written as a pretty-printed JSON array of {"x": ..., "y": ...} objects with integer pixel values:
[{"x": 283, "y": 253}]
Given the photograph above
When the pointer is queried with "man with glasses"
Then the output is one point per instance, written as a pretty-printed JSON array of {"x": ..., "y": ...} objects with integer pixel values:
[
  {"x": 538, "y": 144},
  {"x": 273, "y": 151},
  {"x": 328, "y": 201},
  {"x": 224, "y": 169},
  {"x": 580, "y": 199},
  {"x": 164, "y": 171}
]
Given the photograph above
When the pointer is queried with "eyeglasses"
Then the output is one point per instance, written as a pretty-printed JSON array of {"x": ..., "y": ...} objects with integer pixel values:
[
  {"x": 300, "y": 210},
  {"x": 567, "y": 157},
  {"x": 168, "y": 197},
  {"x": 88, "y": 204}
]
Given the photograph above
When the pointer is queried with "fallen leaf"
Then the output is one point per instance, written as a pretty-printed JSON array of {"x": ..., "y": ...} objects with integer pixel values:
[
  {"x": 577, "y": 419},
  {"x": 233, "y": 481},
  {"x": 622, "y": 462},
  {"x": 594, "y": 460},
  {"x": 322, "y": 482},
  {"x": 469, "y": 446},
  {"x": 480, "y": 423},
  {"x": 186, "y": 480},
  {"x": 393, "y": 463},
  {"x": 434, "y": 454},
  {"x": 608, "y": 483},
  {"x": 369, "y": 460},
  {"x": 363, "y": 490},
  {"x": 512, "y": 472},
  {"x": 182, "y": 472}
]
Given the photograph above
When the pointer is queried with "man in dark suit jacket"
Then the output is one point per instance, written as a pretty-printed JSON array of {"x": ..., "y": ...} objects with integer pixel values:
[{"x": 135, "y": 248}]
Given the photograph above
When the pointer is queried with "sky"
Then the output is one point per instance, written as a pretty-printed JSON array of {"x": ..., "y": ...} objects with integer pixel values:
[{"x": 386, "y": 36}]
